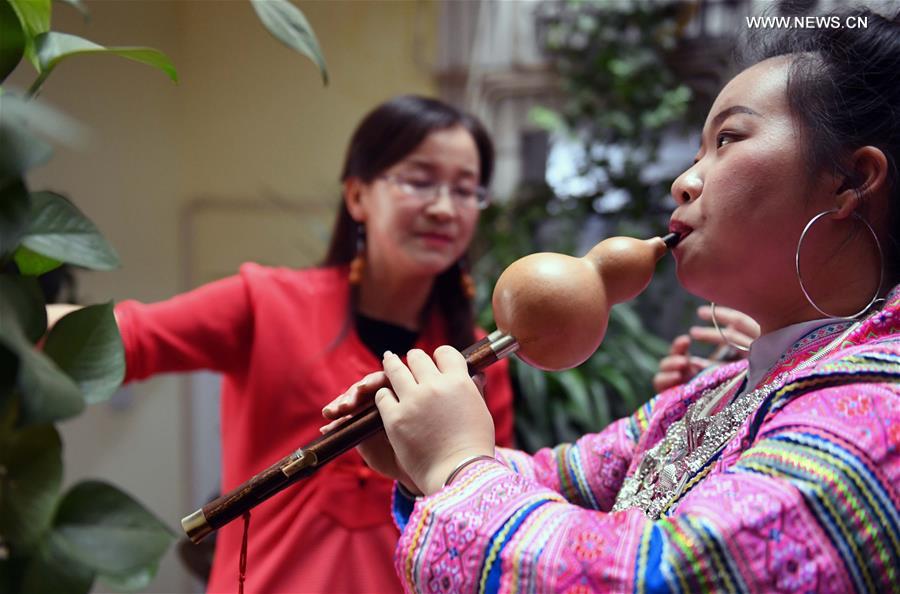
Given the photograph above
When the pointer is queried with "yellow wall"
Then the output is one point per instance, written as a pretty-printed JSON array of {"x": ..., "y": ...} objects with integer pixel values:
[{"x": 249, "y": 121}]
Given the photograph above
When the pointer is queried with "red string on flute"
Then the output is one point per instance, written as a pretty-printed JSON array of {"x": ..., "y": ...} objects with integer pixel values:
[{"x": 242, "y": 568}]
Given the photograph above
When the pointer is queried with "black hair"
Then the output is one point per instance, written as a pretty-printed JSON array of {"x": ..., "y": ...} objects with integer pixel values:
[
  {"x": 843, "y": 88},
  {"x": 386, "y": 136}
]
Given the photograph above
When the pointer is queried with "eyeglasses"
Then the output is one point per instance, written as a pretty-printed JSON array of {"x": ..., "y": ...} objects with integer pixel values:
[{"x": 428, "y": 192}]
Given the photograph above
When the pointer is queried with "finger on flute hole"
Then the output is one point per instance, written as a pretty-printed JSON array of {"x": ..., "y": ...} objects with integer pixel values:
[
  {"x": 334, "y": 408},
  {"x": 334, "y": 424}
]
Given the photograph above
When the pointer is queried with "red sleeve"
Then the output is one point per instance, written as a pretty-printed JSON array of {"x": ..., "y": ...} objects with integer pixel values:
[
  {"x": 207, "y": 328},
  {"x": 499, "y": 396}
]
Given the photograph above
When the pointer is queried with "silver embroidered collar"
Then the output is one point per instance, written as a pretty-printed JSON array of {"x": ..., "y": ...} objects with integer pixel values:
[{"x": 692, "y": 441}]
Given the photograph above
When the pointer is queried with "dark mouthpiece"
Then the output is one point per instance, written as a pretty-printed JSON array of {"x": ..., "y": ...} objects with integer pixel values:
[{"x": 671, "y": 240}]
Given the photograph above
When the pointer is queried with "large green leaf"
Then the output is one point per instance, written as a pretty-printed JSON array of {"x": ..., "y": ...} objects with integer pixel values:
[
  {"x": 60, "y": 231},
  {"x": 287, "y": 23},
  {"x": 86, "y": 345},
  {"x": 14, "y": 206},
  {"x": 53, "y": 48},
  {"x": 52, "y": 570},
  {"x": 106, "y": 530},
  {"x": 31, "y": 263},
  {"x": 26, "y": 118},
  {"x": 135, "y": 581},
  {"x": 30, "y": 484},
  {"x": 34, "y": 15},
  {"x": 12, "y": 40},
  {"x": 20, "y": 150},
  {"x": 22, "y": 304},
  {"x": 48, "y": 394}
]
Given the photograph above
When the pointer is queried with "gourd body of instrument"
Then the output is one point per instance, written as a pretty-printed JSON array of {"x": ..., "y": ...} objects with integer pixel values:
[{"x": 557, "y": 306}]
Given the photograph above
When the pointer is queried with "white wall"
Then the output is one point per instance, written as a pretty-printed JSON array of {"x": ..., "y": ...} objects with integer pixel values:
[{"x": 249, "y": 119}]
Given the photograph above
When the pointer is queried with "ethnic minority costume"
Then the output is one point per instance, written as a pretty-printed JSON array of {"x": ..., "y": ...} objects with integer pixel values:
[
  {"x": 792, "y": 486},
  {"x": 280, "y": 338}
]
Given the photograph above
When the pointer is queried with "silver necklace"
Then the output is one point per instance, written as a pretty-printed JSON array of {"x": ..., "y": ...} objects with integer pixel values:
[{"x": 692, "y": 441}]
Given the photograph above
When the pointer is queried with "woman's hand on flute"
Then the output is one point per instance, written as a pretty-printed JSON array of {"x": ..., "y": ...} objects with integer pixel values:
[
  {"x": 434, "y": 415},
  {"x": 377, "y": 450},
  {"x": 358, "y": 397}
]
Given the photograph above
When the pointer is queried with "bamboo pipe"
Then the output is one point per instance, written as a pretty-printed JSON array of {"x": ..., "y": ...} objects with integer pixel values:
[
  {"x": 551, "y": 309},
  {"x": 308, "y": 459}
]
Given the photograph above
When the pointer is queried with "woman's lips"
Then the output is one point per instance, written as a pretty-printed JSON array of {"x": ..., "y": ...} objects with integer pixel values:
[
  {"x": 682, "y": 229},
  {"x": 436, "y": 238}
]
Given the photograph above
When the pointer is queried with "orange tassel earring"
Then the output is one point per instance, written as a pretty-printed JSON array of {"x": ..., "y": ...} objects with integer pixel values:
[
  {"x": 466, "y": 280},
  {"x": 358, "y": 264}
]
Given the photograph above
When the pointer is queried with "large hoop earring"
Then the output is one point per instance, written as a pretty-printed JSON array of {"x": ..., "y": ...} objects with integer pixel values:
[
  {"x": 731, "y": 343},
  {"x": 358, "y": 264},
  {"x": 874, "y": 298}
]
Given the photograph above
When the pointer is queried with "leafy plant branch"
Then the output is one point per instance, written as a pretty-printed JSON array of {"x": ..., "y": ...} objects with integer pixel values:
[{"x": 53, "y": 540}]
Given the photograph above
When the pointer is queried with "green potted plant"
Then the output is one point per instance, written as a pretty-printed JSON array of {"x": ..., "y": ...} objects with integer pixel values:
[{"x": 55, "y": 540}]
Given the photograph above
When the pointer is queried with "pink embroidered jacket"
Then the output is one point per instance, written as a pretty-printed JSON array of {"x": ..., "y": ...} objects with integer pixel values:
[{"x": 804, "y": 498}]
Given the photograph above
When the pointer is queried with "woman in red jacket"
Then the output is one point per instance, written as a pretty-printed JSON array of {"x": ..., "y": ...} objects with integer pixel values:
[{"x": 287, "y": 341}]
